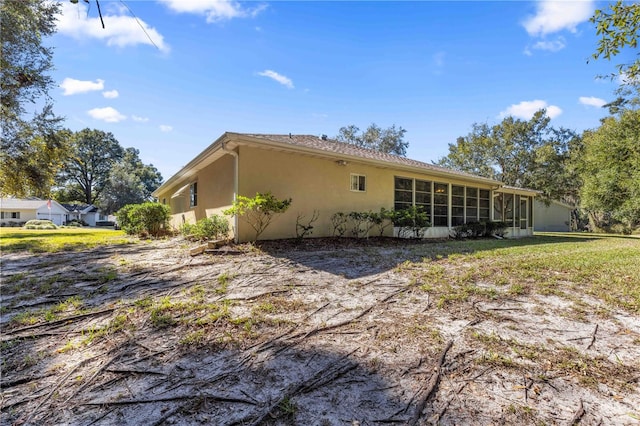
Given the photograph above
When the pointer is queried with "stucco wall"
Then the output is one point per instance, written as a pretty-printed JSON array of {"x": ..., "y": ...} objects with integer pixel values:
[
  {"x": 315, "y": 184},
  {"x": 25, "y": 215},
  {"x": 215, "y": 193},
  {"x": 552, "y": 218}
]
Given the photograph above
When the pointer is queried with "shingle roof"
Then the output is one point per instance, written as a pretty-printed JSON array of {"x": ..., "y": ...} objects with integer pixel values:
[
  {"x": 341, "y": 148},
  {"x": 21, "y": 203}
]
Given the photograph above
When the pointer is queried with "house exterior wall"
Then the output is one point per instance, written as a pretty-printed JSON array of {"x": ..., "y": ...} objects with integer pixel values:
[
  {"x": 215, "y": 193},
  {"x": 552, "y": 218},
  {"x": 322, "y": 185},
  {"x": 25, "y": 215}
]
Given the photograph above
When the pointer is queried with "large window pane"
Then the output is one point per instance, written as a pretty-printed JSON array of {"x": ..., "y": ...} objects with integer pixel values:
[
  {"x": 498, "y": 206},
  {"x": 440, "y": 204}
]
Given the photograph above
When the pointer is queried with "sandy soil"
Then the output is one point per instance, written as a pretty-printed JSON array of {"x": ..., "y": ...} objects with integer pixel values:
[{"x": 320, "y": 333}]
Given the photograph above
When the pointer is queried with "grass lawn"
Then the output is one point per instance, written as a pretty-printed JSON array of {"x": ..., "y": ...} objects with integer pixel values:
[
  {"x": 54, "y": 240},
  {"x": 568, "y": 265}
]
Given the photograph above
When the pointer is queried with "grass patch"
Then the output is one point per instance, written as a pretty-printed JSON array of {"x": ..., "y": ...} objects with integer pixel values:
[
  {"x": 604, "y": 267},
  {"x": 55, "y": 240}
]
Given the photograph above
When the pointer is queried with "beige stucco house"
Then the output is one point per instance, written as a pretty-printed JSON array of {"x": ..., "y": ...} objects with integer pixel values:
[{"x": 323, "y": 175}]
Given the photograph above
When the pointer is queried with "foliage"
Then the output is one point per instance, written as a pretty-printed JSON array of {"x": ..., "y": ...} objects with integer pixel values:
[
  {"x": 40, "y": 224},
  {"x": 361, "y": 223},
  {"x": 93, "y": 155},
  {"x": 411, "y": 222},
  {"x": 390, "y": 140},
  {"x": 305, "y": 228},
  {"x": 618, "y": 28},
  {"x": 475, "y": 230},
  {"x": 130, "y": 182},
  {"x": 24, "y": 66},
  {"x": 51, "y": 241},
  {"x": 529, "y": 154},
  {"x": 339, "y": 222},
  {"x": 610, "y": 169},
  {"x": 258, "y": 211},
  {"x": 146, "y": 218},
  {"x": 213, "y": 227},
  {"x": 382, "y": 219}
]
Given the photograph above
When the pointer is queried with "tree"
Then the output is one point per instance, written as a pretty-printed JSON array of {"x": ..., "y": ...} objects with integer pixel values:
[
  {"x": 390, "y": 140},
  {"x": 610, "y": 169},
  {"x": 86, "y": 173},
  {"x": 258, "y": 211},
  {"x": 130, "y": 182},
  {"x": 530, "y": 154},
  {"x": 24, "y": 79},
  {"x": 619, "y": 27}
]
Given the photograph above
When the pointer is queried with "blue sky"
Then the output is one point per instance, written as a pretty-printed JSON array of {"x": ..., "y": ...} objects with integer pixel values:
[{"x": 173, "y": 81}]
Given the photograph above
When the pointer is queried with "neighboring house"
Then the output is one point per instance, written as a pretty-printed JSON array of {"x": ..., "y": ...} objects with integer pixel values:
[
  {"x": 86, "y": 213},
  {"x": 14, "y": 211},
  {"x": 555, "y": 217},
  {"x": 327, "y": 176}
]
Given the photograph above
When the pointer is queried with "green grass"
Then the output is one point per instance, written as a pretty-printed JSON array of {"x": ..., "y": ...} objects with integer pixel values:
[
  {"x": 64, "y": 239},
  {"x": 566, "y": 265}
]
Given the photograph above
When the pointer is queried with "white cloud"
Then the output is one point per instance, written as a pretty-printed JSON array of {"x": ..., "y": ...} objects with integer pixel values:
[
  {"x": 214, "y": 10},
  {"x": 108, "y": 114},
  {"x": 111, "y": 94},
  {"x": 285, "y": 81},
  {"x": 591, "y": 101},
  {"x": 71, "y": 86},
  {"x": 552, "y": 46},
  {"x": 139, "y": 119},
  {"x": 557, "y": 15},
  {"x": 526, "y": 109},
  {"x": 120, "y": 30},
  {"x": 165, "y": 128}
]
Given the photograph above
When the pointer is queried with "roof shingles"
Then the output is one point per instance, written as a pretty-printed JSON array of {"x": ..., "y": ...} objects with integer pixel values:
[{"x": 342, "y": 148}]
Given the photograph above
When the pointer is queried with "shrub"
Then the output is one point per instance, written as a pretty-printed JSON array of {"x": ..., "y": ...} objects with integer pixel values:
[
  {"x": 411, "y": 222},
  {"x": 478, "y": 230},
  {"x": 213, "y": 227},
  {"x": 146, "y": 218},
  {"x": 258, "y": 211},
  {"x": 339, "y": 222},
  {"x": 40, "y": 224},
  {"x": 303, "y": 229}
]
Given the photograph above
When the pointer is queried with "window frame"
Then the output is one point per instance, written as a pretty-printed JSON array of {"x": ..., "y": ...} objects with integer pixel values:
[
  {"x": 193, "y": 194},
  {"x": 360, "y": 182}
]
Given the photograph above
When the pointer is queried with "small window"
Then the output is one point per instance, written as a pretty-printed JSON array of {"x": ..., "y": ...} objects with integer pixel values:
[
  {"x": 193, "y": 194},
  {"x": 12, "y": 215},
  {"x": 358, "y": 183},
  {"x": 164, "y": 201}
]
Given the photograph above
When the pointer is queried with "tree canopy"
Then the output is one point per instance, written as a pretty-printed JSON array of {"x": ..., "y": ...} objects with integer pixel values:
[
  {"x": 29, "y": 144},
  {"x": 619, "y": 27},
  {"x": 526, "y": 153},
  {"x": 389, "y": 140},
  {"x": 610, "y": 168}
]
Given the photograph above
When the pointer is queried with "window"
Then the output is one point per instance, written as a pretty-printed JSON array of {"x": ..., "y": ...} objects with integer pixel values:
[
  {"x": 403, "y": 197},
  {"x": 523, "y": 212},
  {"x": 498, "y": 204},
  {"x": 193, "y": 194},
  {"x": 483, "y": 199},
  {"x": 412, "y": 192},
  {"x": 440, "y": 204},
  {"x": 471, "y": 205},
  {"x": 358, "y": 183},
  {"x": 9, "y": 215},
  {"x": 457, "y": 205},
  {"x": 164, "y": 201},
  {"x": 508, "y": 209}
]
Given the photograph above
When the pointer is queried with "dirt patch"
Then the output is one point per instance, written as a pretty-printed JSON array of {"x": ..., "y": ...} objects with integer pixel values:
[{"x": 326, "y": 332}]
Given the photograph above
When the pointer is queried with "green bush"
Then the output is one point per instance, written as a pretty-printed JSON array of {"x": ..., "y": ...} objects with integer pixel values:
[
  {"x": 258, "y": 211},
  {"x": 146, "y": 218},
  {"x": 411, "y": 222},
  {"x": 40, "y": 224},
  {"x": 478, "y": 229},
  {"x": 213, "y": 227}
]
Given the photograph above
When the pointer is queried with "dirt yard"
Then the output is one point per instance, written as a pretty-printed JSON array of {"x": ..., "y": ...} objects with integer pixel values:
[{"x": 323, "y": 332}]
